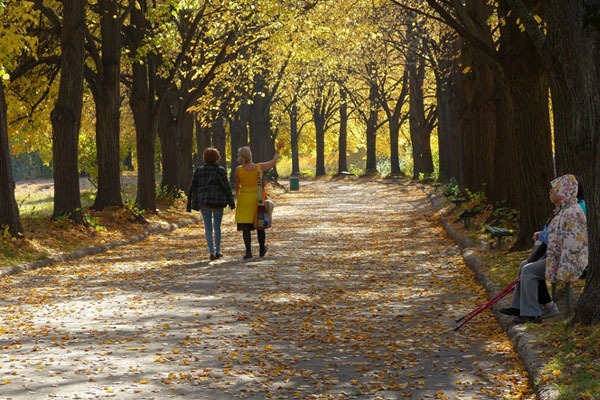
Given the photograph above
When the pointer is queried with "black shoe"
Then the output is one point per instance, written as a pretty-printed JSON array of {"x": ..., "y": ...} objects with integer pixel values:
[
  {"x": 526, "y": 319},
  {"x": 263, "y": 251},
  {"x": 218, "y": 255},
  {"x": 511, "y": 311},
  {"x": 213, "y": 257},
  {"x": 247, "y": 256}
]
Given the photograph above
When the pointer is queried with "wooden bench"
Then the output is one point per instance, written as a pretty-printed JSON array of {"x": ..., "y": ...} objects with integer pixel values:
[
  {"x": 498, "y": 233},
  {"x": 458, "y": 201},
  {"x": 568, "y": 291},
  {"x": 467, "y": 214}
]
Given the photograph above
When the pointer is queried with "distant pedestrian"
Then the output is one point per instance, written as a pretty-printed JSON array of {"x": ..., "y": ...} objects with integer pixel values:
[
  {"x": 246, "y": 187},
  {"x": 210, "y": 192}
]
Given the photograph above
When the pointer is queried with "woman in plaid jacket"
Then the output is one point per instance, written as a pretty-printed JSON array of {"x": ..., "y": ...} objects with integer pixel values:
[{"x": 210, "y": 193}]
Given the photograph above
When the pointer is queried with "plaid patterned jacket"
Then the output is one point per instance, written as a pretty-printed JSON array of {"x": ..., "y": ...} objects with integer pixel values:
[{"x": 210, "y": 188}]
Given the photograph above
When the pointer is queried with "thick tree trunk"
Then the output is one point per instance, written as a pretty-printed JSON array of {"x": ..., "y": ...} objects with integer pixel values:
[
  {"x": 526, "y": 151},
  {"x": 574, "y": 63},
  {"x": 185, "y": 134},
  {"x": 343, "y": 135},
  {"x": 202, "y": 141},
  {"x": 238, "y": 126},
  {"x": 108, "y": 106},
  {"x": 478, "y": 126},
  {"x": 419, "y": 129},
  {"x": 447, "y": 78},
  {"x": 144, "y": 114},
  {"x": 9, "y": 212},
  {"x": 262, "y": 141},
  {"x": 219, "y": 137},
  {"x": 66, "y": 115}
]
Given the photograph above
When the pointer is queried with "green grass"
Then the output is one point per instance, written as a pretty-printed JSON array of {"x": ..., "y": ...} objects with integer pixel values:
[{"x": 574, "y": 367}]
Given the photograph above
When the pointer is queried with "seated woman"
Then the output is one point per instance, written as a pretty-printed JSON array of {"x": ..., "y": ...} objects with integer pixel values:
[
  {"x": 548, "y": 306},
  {"x": 566, "y": 254}
]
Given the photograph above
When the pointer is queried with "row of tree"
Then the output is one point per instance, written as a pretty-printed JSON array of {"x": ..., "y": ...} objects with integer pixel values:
[{"x": 479, "y": 75}]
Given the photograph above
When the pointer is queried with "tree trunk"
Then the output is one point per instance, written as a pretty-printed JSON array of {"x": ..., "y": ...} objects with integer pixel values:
[
  {"x": 108, "y": 106},
  {"x": 167, "y": 134},
  {"x": 319, "y": 121},
  {"x": 66, "y": 115},
  {"x": 185, "y": 135},
  {"x": 371, "y": 129},
  {"x": 525, "y": 160},
  {"x": 202, "y": 140},
  {"x": 574, "y": 64},
  {"x": 294, "y": 135},
  {"x": 219, "y": 137},
  {"x": 419, "y": 129},
  {"x": 447, "y": 80},
  {"x": 395, "y": 120},
  {"x": 343, "y": 136},
  {"x": 262, "y": 141},
  {"x": 144, "y": 114},
  {"x": 238, "y": 126},
  {"x": 9, "y": 212}
]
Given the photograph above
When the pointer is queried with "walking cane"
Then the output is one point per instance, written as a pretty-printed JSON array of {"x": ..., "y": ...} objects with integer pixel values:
[{"x": 467, "y": 317}]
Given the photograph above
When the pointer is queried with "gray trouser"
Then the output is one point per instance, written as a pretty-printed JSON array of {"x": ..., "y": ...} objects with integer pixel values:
[{"x": 525, "y": 295}]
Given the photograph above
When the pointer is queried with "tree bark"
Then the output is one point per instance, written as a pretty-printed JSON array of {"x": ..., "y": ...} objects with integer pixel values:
[
  {"x": 419, "y": 129},
  {"x": 573, "y": 59},
  {"x": 371, "y": 128},
  {"x": 144, "y": 110},
  {"x": 343, "y": 135},
  {"x": 448, "y": 77},
  {"x": 66, "y": 115},
  {"x": 525, "y": 160},
  {"x": 219, "y": 136},
  {"x": 319, "y": 119},
  {"x": 185, "y": 135},
  {"x": 294, "y": 136},
  {"x": 262, "y": 140},
  {"x": 167, "y": 134},
  {"x": 108, "y": 107},
  {"x": 9, "y": 212},
  {"x": 238, "y": 126}
]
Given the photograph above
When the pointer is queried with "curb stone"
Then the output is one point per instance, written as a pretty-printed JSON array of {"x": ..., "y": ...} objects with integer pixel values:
[
  {"x": 152, "y": 230},
  {"x": 523, "y": 340}
]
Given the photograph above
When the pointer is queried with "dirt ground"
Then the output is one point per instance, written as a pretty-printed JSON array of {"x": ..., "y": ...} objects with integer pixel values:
[{"x": 355, "y": 299}]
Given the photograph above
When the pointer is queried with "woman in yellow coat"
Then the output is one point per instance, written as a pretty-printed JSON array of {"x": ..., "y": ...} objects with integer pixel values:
[{"x": 246, "y": 188}]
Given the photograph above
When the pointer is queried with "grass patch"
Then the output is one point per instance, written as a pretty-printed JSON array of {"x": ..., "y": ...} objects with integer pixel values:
[
  {"x": 44, "y": 238},
  {"x": 574, "y": 353}
]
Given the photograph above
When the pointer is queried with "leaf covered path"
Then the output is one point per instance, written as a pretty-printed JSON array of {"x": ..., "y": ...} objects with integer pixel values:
[{"x": 356, "y": 299}]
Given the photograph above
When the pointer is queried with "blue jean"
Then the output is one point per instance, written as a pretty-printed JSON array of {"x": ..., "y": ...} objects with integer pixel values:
[{"x": 212, "y": 228}]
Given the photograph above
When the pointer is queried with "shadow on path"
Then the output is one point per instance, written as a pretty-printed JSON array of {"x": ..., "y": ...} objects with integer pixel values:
[{"x": 356, "y": 299}]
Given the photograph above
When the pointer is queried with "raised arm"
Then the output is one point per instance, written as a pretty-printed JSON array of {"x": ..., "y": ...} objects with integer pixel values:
[{"x": 264, "y": 166}]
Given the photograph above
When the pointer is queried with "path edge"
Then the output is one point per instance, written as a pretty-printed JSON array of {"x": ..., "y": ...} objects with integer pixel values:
[
  {"x": 523, "y": 340},
  {"x": 155, "y": 229}
]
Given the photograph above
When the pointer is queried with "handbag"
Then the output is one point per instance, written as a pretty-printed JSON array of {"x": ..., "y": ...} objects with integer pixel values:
[
  {"x": 262, "y": 219},
  {"x": 537, "y": 252}
]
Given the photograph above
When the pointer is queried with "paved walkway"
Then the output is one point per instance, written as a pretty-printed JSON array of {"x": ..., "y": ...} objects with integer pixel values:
[{"x": 356, "y": 299}]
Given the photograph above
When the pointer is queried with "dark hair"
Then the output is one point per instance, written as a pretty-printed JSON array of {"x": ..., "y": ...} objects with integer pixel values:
[
  {"x": 579, "y": 188},
  {"x": 211, "y": 155}
]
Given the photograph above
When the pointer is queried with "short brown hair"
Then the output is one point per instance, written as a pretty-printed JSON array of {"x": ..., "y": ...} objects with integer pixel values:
[{"x": 211, "y": 155}]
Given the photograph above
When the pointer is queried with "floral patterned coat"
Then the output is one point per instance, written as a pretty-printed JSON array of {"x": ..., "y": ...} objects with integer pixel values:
[{"x": 567, "y": 254}]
